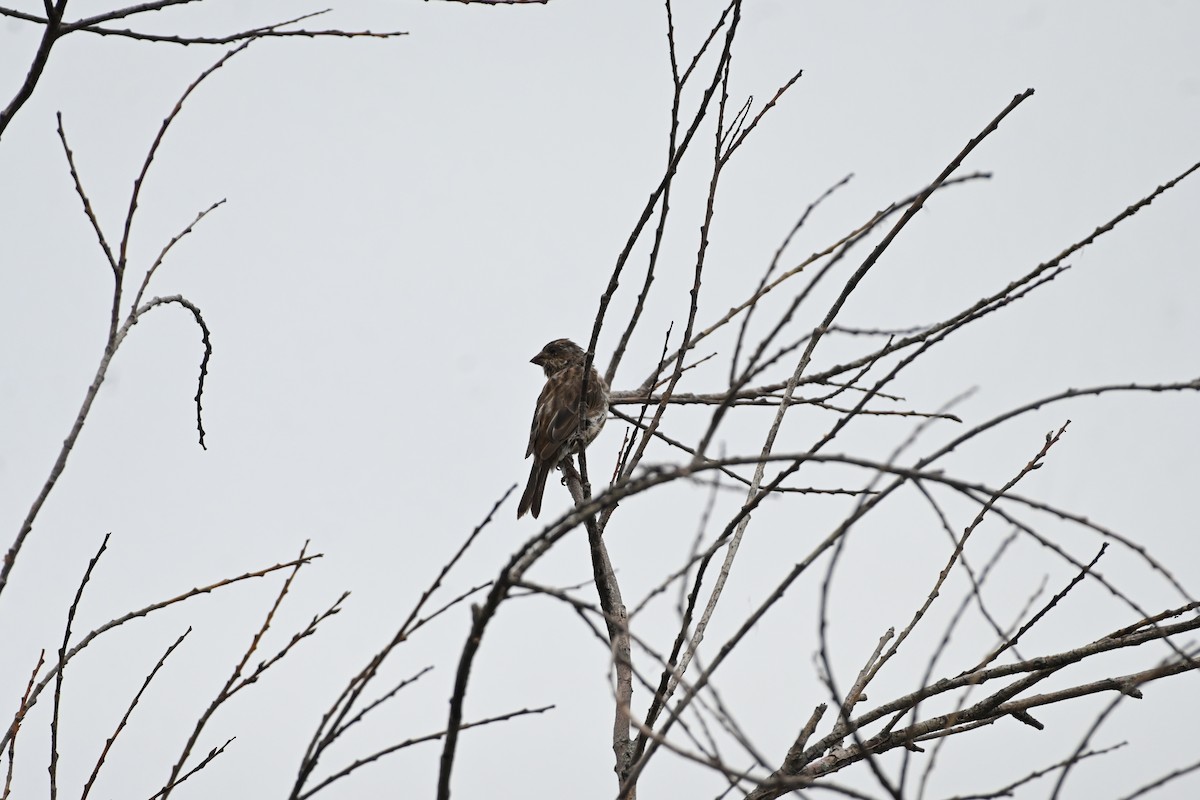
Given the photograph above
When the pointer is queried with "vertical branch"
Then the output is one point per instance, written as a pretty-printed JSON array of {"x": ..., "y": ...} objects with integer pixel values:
[
  {"x": 614, "y": 280},
  {"x": 123, "y": 248},
  {"x": 721, "y": 80},
  {"x": 664, "y": 209},
  {"x": 18, "y": 718},
  {"x": 616, "y": 619},
  {"x": 481, "y": 615},
  {"x": 62, "y": 661}
]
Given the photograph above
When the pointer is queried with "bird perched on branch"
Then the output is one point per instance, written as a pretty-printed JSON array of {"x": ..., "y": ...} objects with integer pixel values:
[{"x": 556, "y": 432}]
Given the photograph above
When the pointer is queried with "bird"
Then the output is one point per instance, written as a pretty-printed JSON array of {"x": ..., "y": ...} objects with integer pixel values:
[{"x": 556, "y": 432}]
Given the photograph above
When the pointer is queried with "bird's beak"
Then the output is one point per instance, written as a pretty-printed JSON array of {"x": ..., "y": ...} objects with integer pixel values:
[{"x": 538, "y": 359}]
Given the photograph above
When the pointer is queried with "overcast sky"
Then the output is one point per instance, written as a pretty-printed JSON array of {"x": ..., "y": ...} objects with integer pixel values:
[{"x": 409, "y": 220}]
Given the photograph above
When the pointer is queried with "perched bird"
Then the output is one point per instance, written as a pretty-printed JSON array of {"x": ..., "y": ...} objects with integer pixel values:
[{"x": 556, "y": 432}]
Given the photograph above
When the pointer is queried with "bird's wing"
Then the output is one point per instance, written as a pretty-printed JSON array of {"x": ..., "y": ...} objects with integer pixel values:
[{"x": 557, "y": 416}]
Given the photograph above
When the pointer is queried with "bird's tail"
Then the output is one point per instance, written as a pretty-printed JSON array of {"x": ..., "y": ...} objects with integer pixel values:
[{"x": 531, "y": 500}]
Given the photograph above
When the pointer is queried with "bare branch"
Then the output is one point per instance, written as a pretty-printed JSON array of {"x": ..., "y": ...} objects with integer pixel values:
[
  {"x": 239, "y": 680},
  {"x": 204, "y": 762},
  {"x": 142, "y": 612},
  {"x": 87, "y": 787},
  {"x": 62, "y": 660},
  {"x": 18, "y": 718},
  {"x": 337, "y": 719}
]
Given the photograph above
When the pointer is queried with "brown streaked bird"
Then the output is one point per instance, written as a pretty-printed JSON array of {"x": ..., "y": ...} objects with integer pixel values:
[{"x": 556, "y": 433}]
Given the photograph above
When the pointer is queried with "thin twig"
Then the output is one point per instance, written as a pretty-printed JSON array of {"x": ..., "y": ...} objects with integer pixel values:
[
  {"x": 62, "y": 660},
  {"x": 18, "y": 718},
  {"x": 142, "y": 612},
  {"x": 108, "y": 743}
]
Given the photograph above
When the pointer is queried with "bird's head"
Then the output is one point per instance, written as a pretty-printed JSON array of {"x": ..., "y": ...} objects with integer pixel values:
[{"x": 558, "y": 355}]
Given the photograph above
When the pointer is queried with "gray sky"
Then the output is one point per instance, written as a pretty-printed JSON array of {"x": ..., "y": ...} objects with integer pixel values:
[{"x": 408, "y": 221}]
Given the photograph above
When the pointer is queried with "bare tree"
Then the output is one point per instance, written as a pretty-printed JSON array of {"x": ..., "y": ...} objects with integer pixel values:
[
  {"x": 782, "y": 369},
  {"x": 781, "y": 361}
]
